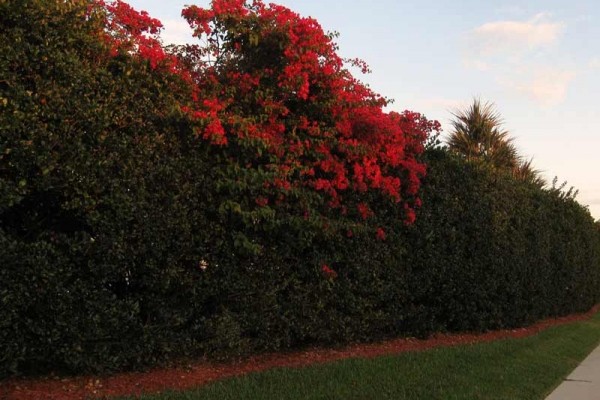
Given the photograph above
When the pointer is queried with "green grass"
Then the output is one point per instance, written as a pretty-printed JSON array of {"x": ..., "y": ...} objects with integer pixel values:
[{"x": 528, "y": 368}]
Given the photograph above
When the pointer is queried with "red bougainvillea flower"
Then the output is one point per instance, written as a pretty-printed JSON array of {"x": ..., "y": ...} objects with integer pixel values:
[
  {"x": 267, "y": 87},
  {"x": 411, "y": 216},
  {"x": 364, "y": 210},
  {"x": 266, "y": 61},
  {"x": 133, "y": 32},
  {"x": 328, "y": 272},
  {"x": 380, "y": 234},
  {"x": 262, "y": 201}
]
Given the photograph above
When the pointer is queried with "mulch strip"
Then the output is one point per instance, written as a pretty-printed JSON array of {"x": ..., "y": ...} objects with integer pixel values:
[{"x": 154, "y": 381}]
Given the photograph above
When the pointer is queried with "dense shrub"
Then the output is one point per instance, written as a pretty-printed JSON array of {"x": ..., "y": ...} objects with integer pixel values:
[
  {"x": 489, "y": 251},
  {"x": 139, "y": 223},
  {"x": 97, "y": 211},
  {"x": 127, "y": 235}
]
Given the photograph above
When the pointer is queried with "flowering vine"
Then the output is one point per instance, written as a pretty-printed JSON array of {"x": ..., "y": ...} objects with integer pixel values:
[
  {"x": 268, "y": 85},
  {"x": 278, "y": 79}
]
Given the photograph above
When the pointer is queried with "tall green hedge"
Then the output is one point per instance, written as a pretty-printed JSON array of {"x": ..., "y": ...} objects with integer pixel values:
[
  {"x": 99, "y": 213},
  {"x": 125, "y": 241},
  {"x": 490, "y": 252}
]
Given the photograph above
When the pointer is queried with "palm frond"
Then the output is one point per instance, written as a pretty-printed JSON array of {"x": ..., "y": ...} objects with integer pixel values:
[
  {"x": 477, "y": 133},
  {"x": 527, "y": 173}
]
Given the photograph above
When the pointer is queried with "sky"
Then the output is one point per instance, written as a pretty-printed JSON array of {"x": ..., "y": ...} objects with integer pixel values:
[{"x": 537, "y": 61}]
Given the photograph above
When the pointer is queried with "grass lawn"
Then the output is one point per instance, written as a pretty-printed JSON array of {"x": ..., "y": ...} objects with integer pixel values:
[{"x": 528, "y": 368}]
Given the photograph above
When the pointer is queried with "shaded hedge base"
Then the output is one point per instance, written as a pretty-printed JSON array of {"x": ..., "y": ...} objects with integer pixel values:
[{"x": 198, "y": 374}]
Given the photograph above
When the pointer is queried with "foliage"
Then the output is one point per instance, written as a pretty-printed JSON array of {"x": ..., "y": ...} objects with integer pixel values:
[
  {"x": 128, "y": 234},
  {"x": 477, "y": 135},
  {"x": 561, "y": 191},
  {"x": 525, "y": 172},
  {"x": 97, "y": 213},
  {"x": 269, "y": 88},
  {"x": 488, "y": 251},
  {"x": 244, "y": 196}
]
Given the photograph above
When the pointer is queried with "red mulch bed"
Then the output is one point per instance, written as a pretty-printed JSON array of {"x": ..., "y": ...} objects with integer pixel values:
[{"x": 136, "y": 383}]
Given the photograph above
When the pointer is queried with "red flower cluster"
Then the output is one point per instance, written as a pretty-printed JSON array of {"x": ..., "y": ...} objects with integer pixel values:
[
  {"x": 364, "y": 210},
  {"x": 328, "y": 272},
  {"x": 268, "y": 75},
  {"x": 127, "y": 30},
  {"x": 271, "y": 63},
  {"x": 262, "y": 201}
]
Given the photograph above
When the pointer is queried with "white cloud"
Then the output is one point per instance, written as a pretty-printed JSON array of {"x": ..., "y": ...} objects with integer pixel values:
[
  {"x": 595, "y": 63},
  {"x": 546, "y": 86},
  {"x": 515, "y": 36},
  {"x": 176, "y": 31},
  {"x": 522, "y": 56}
]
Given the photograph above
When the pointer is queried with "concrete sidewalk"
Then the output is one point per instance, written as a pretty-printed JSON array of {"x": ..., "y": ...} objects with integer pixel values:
[{"x": 583, "y": 383}]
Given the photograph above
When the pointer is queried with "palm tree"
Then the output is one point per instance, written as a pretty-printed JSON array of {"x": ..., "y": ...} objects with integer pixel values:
[
  {"x": 478, "y": 135},
  {"x": 525, "y": 172}
]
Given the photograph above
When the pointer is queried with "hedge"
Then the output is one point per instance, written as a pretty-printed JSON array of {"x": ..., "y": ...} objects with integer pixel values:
[
  {"x": 490, "y": 252},
  {"x": 127, "y": 242}
]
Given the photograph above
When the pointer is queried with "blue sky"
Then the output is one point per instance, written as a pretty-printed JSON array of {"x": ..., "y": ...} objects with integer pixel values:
[{"x": 538, "y": 62}]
